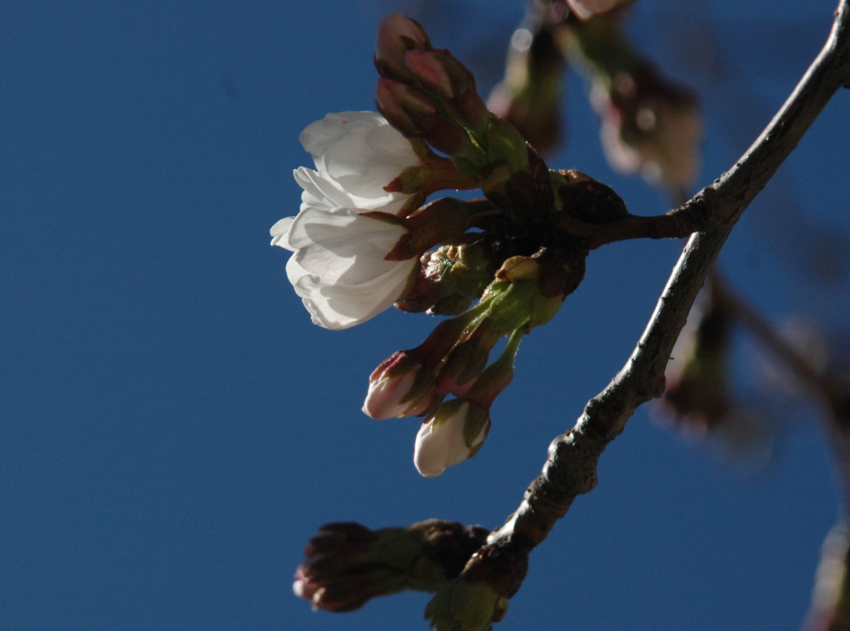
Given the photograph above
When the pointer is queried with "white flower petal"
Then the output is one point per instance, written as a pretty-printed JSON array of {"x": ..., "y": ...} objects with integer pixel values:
[
  {"x": 347, "y": 248},
  {"x": 338, "y": 267},
  {"x": 280, "y": 233},
  {"x": 360, "y": 150},
  {"x": 338, "y": 306},
  {"x": 324, "y": 192}
]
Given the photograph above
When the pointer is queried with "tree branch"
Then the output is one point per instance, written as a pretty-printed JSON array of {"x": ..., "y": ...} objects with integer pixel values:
[{"x": 571, "y": 468}]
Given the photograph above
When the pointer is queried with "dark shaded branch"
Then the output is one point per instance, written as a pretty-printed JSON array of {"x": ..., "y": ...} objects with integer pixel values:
[
  {"x": 677, "y": 224},
  {"x": 570, "y": 469}
]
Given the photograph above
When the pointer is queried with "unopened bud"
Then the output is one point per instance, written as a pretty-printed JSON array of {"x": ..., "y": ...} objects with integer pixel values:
[
  {"x": 452, "y": 434},
  {"x": 528, "y": 98},
  {"x": 439, "y": 73},
  {"x": 347, "y": 564},
  {"x": 697, "y": 392},
  {"x": 397, "y": 387},
  {"x": 830, "y": 608},
  {"x": 650, "y": 126},
  {"x": 397, "y": 35}
]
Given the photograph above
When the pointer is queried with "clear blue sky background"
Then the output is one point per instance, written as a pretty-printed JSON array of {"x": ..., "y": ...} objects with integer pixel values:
[{"x": 172, "y": 427}]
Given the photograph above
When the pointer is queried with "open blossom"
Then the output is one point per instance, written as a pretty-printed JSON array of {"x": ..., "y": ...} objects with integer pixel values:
[
  {"x": 338, "y": 267},
  {"x": 357, "y": 154}
]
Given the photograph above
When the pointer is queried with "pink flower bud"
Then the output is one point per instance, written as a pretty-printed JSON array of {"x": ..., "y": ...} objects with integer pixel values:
[
  {"x": 438, "y": 73},
  {"x": 398, "y": 34},
  {"x": 397, "y": 387}
]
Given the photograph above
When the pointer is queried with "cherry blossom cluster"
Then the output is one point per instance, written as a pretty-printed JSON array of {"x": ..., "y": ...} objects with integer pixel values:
[{"x": 367, "y": 238}]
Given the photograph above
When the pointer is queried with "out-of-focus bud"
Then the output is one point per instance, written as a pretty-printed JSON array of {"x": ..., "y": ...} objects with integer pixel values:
[
  {"x": 465, "y": 606},
  {"x": 697, "y": 391},
  {"x": 397, "y": 35},
  {"x": 586, "y": 9},
  {"x": 529, "y": 96},
  {"x": 397, "y": 387},
  {"x": 651, "y": 127},
  {"x": 830, "y": 609},
  {"x": 452, "y": 434},
  {"x": 347, "y": 564}
]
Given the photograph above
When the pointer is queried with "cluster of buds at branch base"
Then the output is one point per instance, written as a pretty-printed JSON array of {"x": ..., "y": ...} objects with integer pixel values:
[
  {"x": 453, "y": 361},
  {"x": 347, "y": 564},
  {"x": 650, "y": 125}
]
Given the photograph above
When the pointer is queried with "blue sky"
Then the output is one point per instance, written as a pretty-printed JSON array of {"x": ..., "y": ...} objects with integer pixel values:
[{"x": 172, "y": 427}]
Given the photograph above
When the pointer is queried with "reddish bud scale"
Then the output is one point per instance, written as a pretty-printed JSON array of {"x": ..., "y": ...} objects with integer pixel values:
[{"x": 439, "y": 222}]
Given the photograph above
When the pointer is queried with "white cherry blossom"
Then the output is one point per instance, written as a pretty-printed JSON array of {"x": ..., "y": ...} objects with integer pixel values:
[
  {"x": 338, "y": 265},
  {"x": 356, "y": 155}
]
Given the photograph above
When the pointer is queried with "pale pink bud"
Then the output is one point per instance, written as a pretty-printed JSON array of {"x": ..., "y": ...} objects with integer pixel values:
[
  {"x": 398, "y": 34},
  {"x": 397, "y": 387},
  {"x": 438, "y": 72},
  {"x": 452, "y": 434}
]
